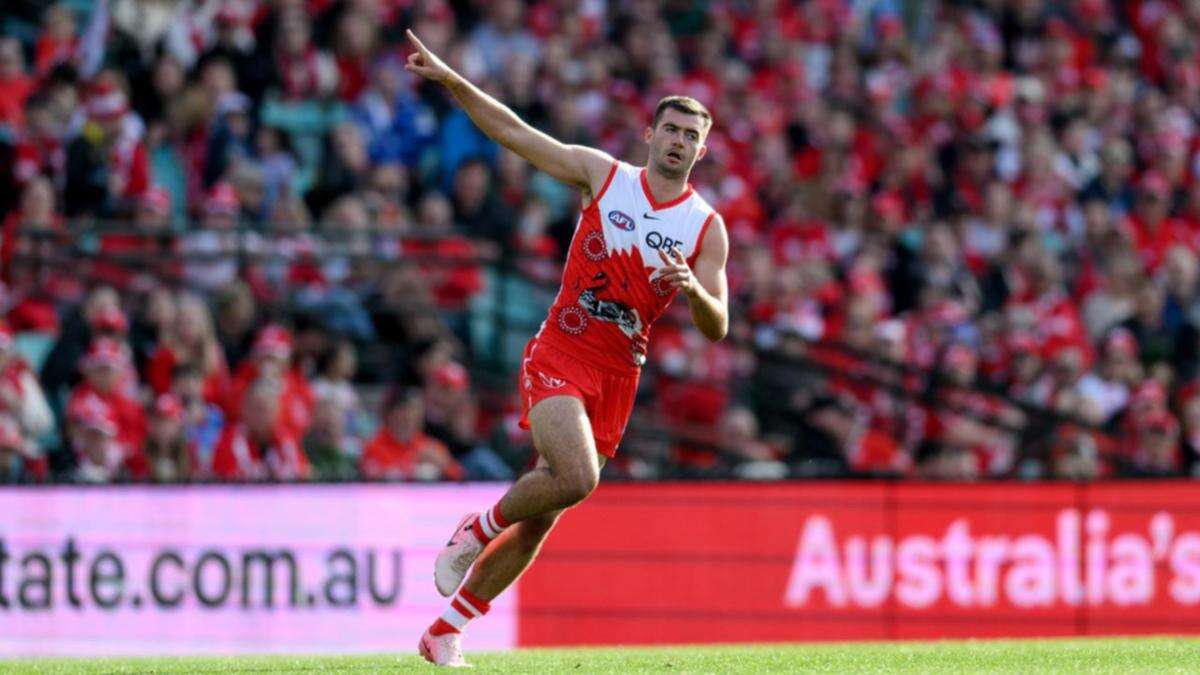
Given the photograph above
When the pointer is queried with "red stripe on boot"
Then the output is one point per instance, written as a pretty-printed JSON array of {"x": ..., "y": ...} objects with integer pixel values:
[{"x": 440, "y": 627}]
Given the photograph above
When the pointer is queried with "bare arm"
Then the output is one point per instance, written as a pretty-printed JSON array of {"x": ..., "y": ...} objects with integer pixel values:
[
  {"x": 576, "y": 165},
  {"x": 705, "y": 286}
]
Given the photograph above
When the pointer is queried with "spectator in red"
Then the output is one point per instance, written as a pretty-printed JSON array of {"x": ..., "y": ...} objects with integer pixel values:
[
  {"x": 40, "y": 150},
  {"x": 190, "y": 339},
  {"x": 353, "y": 47},
  {"x": 99, "y": 454},
  {"x": 960, "y": 419},
  {"x": 108, "y": 167},
  {"x": 302, "y": 70},
  {"x": 58, "y": 40},
  {"x": 147, "y": 251},
  {"x": 15, "y": 84},
  {"x": 111, "y": 323},
  {"x": 167, "y": 449},
  {"x": 449, "y": 261},
  {"x": 401, "y": 450},
  {"x": 1151, "y": 227},
  {"x": 270, "y": 359},
  {"x": 102, "y": 369},
  {"x": 260, "y": 446}
]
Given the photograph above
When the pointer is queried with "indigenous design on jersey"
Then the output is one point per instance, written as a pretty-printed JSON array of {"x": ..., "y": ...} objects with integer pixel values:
[{"x": 608, "y": 299}]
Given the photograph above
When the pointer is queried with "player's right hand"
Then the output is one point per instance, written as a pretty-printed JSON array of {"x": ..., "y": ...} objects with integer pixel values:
[{"x": 424, "y": 63}]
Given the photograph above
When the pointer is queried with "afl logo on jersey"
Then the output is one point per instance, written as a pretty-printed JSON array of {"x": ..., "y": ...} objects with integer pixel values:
[{"x": 621, "y": 219}]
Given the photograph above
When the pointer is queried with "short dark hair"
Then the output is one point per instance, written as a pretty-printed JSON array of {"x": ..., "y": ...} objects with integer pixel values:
[{"x": 684, "y": 104}]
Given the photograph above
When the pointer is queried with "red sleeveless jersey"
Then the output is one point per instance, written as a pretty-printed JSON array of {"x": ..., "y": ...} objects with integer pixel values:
[{"x": 608, "y": 301}]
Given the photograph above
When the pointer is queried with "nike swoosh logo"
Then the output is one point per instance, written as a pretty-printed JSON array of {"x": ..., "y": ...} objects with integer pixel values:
[{"x": 647, "y": 216}]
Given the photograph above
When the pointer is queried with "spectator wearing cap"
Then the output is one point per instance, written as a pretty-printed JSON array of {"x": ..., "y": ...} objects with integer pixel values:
[
  {"x": 259, "y": 446},
  {"x": 167, "y": 449},
  {"x": 271, "y": 360},
  {"x": 190, "y": 339},
  {"x": 108, "y": 167},
  {"x": 102, "y": 367},
  {"x": 401, "y": 450},
  {"x": 99, "y": 454},
  {"x": 111, "y": 323},
  {"x": 144, "y": 251},
  {"x": 452, "y": 416},
  {"x": 203, "y": 421}
]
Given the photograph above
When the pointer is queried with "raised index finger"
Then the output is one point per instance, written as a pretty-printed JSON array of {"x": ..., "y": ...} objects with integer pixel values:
[
  {"x": 412, "y": 37},
  {"x": 663, "y": 256}
]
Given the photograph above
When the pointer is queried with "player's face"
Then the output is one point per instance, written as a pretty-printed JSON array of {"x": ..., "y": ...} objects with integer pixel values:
[{"x": 676, "y": 143}]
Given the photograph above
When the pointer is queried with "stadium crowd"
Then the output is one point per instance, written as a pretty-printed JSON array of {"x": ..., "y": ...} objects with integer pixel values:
[{"x": 214, "y": 210}]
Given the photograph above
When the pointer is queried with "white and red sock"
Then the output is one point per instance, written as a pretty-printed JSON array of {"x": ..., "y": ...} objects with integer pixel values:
[
  {"x": 464, "y": 606},
  {"x": 489, "y": 525}
]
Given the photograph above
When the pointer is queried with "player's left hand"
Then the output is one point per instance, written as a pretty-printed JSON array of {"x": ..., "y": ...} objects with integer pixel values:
[{"x": 676, "y": 271}]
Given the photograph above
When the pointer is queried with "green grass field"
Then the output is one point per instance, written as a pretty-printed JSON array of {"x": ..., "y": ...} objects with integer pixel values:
[{"x": 1121, "y": 655}]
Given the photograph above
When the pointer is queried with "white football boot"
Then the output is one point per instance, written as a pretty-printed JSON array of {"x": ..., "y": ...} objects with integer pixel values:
[
  {"x": 453, "y": 562},
  {"x": 443, "y": 650}
]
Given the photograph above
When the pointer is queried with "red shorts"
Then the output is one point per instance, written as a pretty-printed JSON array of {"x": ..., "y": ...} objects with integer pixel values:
[{"x": 607, "y": 395}]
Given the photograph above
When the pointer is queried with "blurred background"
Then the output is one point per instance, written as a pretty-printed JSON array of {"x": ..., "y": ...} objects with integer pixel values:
[{"x": 240, "y": 243}]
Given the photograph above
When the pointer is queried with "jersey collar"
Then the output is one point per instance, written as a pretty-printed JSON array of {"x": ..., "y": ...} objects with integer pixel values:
[{"x": 654, "y": 204}]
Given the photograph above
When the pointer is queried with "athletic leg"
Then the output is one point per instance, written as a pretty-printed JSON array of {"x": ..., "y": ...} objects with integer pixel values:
[
  {"x": 506, "y": 558},
  {"x": 568, "y": 468}
]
